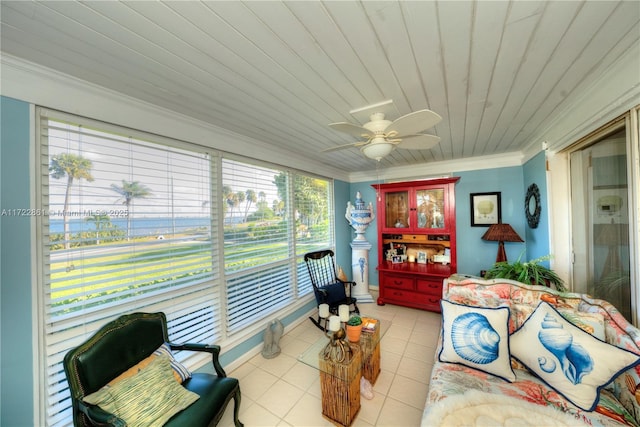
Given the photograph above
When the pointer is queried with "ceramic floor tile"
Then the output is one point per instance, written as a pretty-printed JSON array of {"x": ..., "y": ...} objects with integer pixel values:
[
  {"x": 418, "y": 351},
  {"x": 301, "y": 376},
  {"x": 257, "y": 383},
  {"x": 419, "y": 370},
  {"x": 279, "y": 365},
  {"x": 397, "y": 414},
  {"x": 255, "y": 416},
  {"x": 408, "y": 391},
  {"x": 389, "y": 361},
  {"x": 399, "y": 332},
  {"x": 242, "y": 371},
  {"x": 307, "y": 412},
  {"x": 370, "y": 409},
  {"x": 391, "y": 344},
  {"x": 383, "y": 383},
  {"x": 294, "y": 347},
  {"x": 280, "y": 398}
]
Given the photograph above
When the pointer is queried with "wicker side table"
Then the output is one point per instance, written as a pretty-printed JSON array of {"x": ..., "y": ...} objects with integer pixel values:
[
  {"x": 340, "y": 388},
  {"x": 370, "y": 344}
]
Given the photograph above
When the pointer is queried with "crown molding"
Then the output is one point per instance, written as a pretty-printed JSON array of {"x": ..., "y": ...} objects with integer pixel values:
[{"x": 438, "y": 169}]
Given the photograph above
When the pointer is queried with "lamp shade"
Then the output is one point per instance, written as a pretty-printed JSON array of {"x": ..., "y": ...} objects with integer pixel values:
[{"x": 501, "y": 232}]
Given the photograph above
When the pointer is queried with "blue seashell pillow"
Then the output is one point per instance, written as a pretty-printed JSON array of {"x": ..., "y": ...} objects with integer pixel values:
[
  {"x": 571, "y": 361},
  {"x": 477, "y": 337}
]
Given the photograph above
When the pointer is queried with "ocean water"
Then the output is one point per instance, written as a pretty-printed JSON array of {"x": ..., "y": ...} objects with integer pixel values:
[{"x": 139, "y": 226}]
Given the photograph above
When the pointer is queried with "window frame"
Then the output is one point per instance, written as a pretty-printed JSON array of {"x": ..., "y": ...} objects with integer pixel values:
[{"x": 294, "y": 262}]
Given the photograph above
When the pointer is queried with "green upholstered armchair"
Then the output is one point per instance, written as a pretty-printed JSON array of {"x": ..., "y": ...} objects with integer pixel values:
[{"x": 125, "y": 342}]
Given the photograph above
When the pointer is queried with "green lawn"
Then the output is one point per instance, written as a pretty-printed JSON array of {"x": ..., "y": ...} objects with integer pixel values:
[{"x": 105, "y": 272}]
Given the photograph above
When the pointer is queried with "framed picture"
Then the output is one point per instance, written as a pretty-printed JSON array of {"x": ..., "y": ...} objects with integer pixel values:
[
  {"x": 396, "y": 259},
  {"x": 422, "y": 257},
  {"x": 485, "y": 209}
]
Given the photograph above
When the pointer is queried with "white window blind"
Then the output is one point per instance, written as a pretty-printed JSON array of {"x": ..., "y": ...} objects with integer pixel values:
[
  {"x": 126, "y": 225},
  {"x": 313, "y": 202}
]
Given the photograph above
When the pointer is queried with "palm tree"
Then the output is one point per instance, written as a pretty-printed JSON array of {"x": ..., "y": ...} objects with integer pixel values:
[
  {"x": 100, "y": 221},
  {"x": 73, "y": 167},
  {"x": 251, "y": 198},
  {"x": 240, "y": 196},
  {"x": 129, "y": 191}
]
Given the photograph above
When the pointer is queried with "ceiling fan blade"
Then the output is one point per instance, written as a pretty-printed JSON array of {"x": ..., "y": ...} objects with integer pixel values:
[
  {"x": 413, "y": 123},
  {"x": 351, "y": 129},
  {"x": 342, "y": 147},
  {"x": 419, "y": 142}
]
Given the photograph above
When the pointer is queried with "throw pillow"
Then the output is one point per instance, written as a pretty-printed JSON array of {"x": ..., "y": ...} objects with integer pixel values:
[
  {"x": 180, "y": 372},
  {"x": 477, "y": 337},
  {"x": 334, "y": 293},
  {"x": 568, "y": 359},
  {"x": 150, "y": 397}
]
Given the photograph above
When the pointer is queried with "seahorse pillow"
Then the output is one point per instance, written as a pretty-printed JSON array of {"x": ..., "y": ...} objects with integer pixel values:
[
  {"x": 570, "y": 360},
  {"x": 477, "y": 337}
]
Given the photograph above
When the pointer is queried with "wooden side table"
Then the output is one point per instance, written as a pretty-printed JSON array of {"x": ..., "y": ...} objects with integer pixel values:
[{"x": 340, "y": 388}]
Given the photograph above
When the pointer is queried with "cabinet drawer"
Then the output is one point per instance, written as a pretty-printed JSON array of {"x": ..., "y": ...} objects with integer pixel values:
[
  {"x": 430, "y": 287},
  {"x": 430, "y": 301},
  {"x": 401, "y": 295},
  {"x": 398, "y": 282},
  {"x": 412, "y": 299}
]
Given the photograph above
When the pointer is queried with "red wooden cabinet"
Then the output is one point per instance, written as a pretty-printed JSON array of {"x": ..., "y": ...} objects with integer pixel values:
[{"x": 416, "y": 241}]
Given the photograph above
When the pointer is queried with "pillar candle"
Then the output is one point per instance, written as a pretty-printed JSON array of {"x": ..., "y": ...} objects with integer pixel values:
[
  {"x": 334, "y": 323},
  {"x": 343, "y": 312},
  {"x": 323, "y": 310}
]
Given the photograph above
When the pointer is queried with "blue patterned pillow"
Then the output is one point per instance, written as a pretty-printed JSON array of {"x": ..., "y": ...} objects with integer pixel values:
[
  {"x": 477, "y": 337},
  {"x": 570, "y": 360}
]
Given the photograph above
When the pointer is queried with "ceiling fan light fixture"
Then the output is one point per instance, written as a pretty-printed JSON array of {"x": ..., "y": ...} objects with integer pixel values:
[{"x": 378, "y": 150}]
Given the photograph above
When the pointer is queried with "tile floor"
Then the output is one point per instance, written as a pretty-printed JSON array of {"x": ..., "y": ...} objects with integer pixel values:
[{"x": 285, "y": 392}]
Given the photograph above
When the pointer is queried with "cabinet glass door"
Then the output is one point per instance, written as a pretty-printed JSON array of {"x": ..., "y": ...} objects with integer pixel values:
[
  {"x": 430, "y": 208},
  {"x": 397, "y": 209}
]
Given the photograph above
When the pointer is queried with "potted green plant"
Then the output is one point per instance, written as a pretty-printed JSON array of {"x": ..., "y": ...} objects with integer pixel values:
[
  {"x": 530, "y": 272},
  {"x": 354, "y": 328}
]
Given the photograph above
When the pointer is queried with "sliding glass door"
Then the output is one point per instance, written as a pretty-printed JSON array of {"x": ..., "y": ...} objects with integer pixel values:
[{"x": 600, "y": 218}]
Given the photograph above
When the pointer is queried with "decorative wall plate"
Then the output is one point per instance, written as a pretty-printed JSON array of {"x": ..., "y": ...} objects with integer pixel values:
[{"x": 532, "y": 205}]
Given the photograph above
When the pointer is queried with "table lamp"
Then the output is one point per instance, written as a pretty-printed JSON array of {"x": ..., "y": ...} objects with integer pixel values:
[{"x": 501, "y": 233}]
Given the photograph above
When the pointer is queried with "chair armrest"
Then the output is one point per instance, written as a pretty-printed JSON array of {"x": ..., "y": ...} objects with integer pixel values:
[
  {"x": 208, "y": 348},
  {"x": 351, "y": 285},
  {"x": 99, "y": 416},
  {"x": 347, "y": 283}
]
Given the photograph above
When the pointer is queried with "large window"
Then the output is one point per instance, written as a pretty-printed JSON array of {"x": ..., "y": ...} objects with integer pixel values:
[
  {"x": 265, "y": 235},
  {"x": 130, "y": 221}
]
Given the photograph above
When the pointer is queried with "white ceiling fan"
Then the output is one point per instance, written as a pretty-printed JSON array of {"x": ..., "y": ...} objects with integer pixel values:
[{"x": 383, "y": 136}]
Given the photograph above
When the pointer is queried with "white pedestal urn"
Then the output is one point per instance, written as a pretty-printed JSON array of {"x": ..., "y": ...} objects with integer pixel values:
[{"x": 359, "y": 218}]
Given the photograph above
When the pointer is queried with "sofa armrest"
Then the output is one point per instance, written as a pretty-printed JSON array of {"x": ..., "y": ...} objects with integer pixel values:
[{"x": 208, "y": 348}]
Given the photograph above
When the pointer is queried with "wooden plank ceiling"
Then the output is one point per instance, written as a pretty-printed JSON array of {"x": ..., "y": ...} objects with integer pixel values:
[{"x": 279, "y": 71}]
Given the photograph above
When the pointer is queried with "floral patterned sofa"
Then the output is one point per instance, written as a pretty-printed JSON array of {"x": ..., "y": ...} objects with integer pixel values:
[{"x": 616, "y": 402}]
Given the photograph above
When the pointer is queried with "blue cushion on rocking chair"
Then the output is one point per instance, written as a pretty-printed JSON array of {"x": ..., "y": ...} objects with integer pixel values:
[{"x": 333, "y": 293}]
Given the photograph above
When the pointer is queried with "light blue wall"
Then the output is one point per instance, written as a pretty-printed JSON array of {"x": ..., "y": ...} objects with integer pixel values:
[
  {"x": 16, "y": 315},
  {"x": 535, "y": 171},
  {"x": 475, "y": 254},
  {"x": 341, "y": 194}
]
